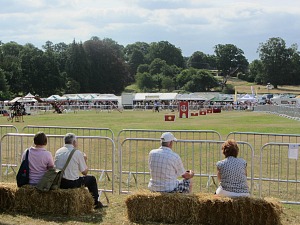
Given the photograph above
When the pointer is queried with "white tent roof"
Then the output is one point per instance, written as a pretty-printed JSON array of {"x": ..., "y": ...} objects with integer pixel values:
[
  {"x": 53, "y": 98},
  {"x": 154, "y": 96},
  {"x": 168, "y": 96},
  {"x": 248, "y": 98},
  {"x": 29, "y": 95},
  {"x": 106, "y": 97},
  {"x": 23, "y": 99},
  {"x": 191, "y": 96},
  {"x": 15, "y": 100}
]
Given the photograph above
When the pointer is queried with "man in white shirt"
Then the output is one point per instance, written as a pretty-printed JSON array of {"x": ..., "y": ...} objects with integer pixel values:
[
  {"x": 166, "y": 166},
  {"x": 77, "y": 165}
]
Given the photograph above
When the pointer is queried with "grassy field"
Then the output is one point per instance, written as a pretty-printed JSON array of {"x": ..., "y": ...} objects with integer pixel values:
[
  {"x": 244, "y": 87},
  {"x": 116, "y": 212}
]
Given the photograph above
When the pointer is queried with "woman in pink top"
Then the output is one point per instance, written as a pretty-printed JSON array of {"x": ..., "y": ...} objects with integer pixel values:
[{"x": 40, "y": 160}]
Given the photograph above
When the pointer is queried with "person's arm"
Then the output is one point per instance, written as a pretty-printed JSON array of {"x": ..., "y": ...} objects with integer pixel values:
[
  {"x": 83, "y": 168},
  {"x": 188, "y": 174},
  {"x": 85, "y": 172},
  {"x": 50, "y": 162},
  {"x": 219, "y": 175}
]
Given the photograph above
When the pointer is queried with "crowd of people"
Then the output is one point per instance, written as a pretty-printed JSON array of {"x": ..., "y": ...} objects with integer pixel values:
[{"x": 167, "y": 172}]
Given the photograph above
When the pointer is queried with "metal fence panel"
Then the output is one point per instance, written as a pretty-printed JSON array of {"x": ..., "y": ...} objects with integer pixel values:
[
  {"x": 279, "y": 173},
  {"x": 199, "y": 156},
  {"x": 259, "y": 139},
  {"x": 4, "y": 129},
  {"x": 288, "y": 111},
  {"x": 100, "y": 152},
  {"x": 62, "y": 130}
]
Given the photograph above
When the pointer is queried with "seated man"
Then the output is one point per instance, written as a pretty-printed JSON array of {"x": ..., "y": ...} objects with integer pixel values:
[
  {"x": 166, "y": 166},
  {"x": 76, "y": 166}
]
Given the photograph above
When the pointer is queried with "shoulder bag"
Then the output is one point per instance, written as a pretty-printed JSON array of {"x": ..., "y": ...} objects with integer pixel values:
[
  {"x": 23, "y": 172},
  {"x": 52, "y": 178}
]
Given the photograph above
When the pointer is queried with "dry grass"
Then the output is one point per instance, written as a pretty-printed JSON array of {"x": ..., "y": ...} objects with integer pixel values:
[
  {"x": 201, "y": 208},
  {"x": 28, "y": 199},
  {"x": 245, "y": 87},
  {"x": 7, "y": 196},
  {"x": 115, "y": 214}
]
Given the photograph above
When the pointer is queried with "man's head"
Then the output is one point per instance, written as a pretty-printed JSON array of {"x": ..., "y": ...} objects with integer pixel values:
[
  {"x": 40, "y": 138},
  {"x": 167, "y": 139},
  {"x": 70, "y": 138}
]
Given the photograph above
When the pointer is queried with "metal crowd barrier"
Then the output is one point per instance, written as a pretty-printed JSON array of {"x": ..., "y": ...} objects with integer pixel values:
[
  {"x": 200, "y": 156},
  {"x": 257, "y": 140},
  {"x": 100, "y": 152},
  {"x": 280, "y": 172},
  {"x": 179, "y": 134},
  {"x": 62, "y": 130},
  {"x": 291, "y": 112},
  {"x": 4, "y": 129}
]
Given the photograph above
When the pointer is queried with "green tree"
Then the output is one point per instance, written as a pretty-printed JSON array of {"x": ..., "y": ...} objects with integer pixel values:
[
  {"x": 145, "y": 81},
  {"x": 156, "y": 66},
  {"x": 199, "y": 60},
  {"x": 77, "y": 66},
  {"x": 256, "y": 73},
  {"x": 135, "y": 55},
  {"x": 4, "y": 94},
  {"x": 201, "y": 81},
  {"x": 168, "y": 83},
  {"x": 40, "y": 71},
  {"x": 295, "y": 68},
  {"x": 229, "y": 59},
  {"x": 185, "y": 76},
  {"x": 108, "y": 72},
  {"x": 143, "y": 68},
  {"x": 277, "y": 61},
  {"x": 11, "y": 65},
  {"x": 165, "y": 51}
]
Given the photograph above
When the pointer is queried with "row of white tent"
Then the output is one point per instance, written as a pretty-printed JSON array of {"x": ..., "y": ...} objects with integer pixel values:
[
  {"x": 68, "y": 97},
  {"x": 201, "y": 96}
]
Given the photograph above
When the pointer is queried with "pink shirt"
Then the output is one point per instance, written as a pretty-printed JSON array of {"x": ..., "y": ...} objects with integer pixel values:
[{"x": 40, "y": 160}]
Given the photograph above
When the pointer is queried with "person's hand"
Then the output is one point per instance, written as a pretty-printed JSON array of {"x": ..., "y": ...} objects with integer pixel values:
[
  {"x": 84, "y": 156},
  {"x": 191, "y": 173}
]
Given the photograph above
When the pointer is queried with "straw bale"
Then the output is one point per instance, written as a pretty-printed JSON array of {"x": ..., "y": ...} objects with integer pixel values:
[
  {"x": 7, "y": 196},
  {"x": 201, "y": 208},
  {"x": 62, "y": 201}
]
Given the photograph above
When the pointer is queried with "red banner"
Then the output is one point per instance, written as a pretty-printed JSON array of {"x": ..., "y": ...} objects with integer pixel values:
[
  {"x": 183, "y": 110},
  {"x": 170, "y": 117}
]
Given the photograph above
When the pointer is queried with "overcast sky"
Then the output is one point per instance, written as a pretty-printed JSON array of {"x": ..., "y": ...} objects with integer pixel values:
[{"x": 191, "y": 25}]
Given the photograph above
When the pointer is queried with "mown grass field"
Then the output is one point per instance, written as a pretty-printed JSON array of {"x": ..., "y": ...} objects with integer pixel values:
[{"x": 116, "y": 212}]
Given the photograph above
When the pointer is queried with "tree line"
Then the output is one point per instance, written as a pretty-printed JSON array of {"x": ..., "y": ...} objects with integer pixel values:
[{"x": 104, "y": 66}]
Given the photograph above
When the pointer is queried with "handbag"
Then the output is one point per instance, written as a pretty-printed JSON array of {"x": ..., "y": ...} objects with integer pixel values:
[
  {"x": 52, "y": 178},
  {"x": 23, "y": 172}
]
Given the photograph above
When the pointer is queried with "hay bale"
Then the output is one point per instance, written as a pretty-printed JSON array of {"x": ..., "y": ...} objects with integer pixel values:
[
  {"x": 201, "y": 208},
  {"x": 62, "y": 201},
  {"x": 7, "y": 196}
]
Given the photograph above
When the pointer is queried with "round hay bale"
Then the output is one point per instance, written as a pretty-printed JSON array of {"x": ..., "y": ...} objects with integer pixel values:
[
  {"x": 62, "y": 201},
  {"x": 7, "y": 196}
]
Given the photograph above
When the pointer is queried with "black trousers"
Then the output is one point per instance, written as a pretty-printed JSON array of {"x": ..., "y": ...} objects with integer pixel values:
[{"x": 87, "y": 181}]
